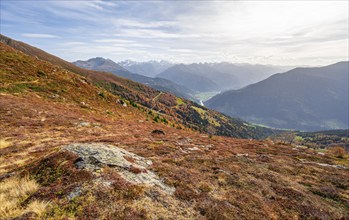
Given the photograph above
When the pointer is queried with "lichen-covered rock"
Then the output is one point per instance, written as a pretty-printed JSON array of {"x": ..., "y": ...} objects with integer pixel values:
[{"x": 133, "y": 168}]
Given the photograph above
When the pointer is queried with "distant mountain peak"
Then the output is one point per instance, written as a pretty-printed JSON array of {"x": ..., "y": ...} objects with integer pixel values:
[
  {"x": 305, "y": 98},
  {"x": 99, "y": 63}
]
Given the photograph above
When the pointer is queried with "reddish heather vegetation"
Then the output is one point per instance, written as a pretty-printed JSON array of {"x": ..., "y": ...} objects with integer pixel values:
[
  {"x": 45, "y": 107},
  {"x": 162, "y": 105}
]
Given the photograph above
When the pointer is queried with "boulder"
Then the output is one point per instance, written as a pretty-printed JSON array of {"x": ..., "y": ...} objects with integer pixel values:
[{"x": 94, "y": 156}]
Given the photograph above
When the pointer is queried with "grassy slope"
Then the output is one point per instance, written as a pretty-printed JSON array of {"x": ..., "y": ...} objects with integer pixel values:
[
  {"x": 144, "y": 95},
  {"x": 42, "y": 107}
]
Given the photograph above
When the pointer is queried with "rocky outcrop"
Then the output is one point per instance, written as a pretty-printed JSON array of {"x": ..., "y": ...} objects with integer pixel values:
[{"x": 133, "y": 168}]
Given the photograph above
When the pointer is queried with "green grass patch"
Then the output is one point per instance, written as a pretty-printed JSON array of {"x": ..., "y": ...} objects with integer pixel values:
[
  {"x": 179, "y": 101},
  {"x": 205, "y": 115}
]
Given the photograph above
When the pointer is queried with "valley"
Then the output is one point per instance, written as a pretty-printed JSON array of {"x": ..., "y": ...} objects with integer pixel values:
[
  {"x": 205, "y": 176},
  {"x": 174, "y": 110}
]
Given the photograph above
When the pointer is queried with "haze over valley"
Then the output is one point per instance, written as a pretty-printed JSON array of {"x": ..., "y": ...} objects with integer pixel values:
[{"x": 193, "y": 80}]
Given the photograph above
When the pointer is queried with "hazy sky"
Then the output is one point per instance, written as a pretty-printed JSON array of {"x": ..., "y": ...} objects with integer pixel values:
[{"x": 266, "y": 32}]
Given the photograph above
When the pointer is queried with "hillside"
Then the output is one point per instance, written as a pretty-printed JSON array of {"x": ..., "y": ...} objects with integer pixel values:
[
  {"x": 107, "y": 65},
  {"x": 70, "y": 149},
  {"x": 325, "y": 139},
  {"x": 182, "y": 111},
  {"x": 303, "y": 98}
]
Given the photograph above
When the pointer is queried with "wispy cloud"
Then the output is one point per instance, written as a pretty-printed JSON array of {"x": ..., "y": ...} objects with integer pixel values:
[
  {"x": 284, "y": 32},
  {"x": 139, "y": 24},
  {"x": 72, "y": 43},
  {"x": 111, "y": 40},
  {"x": 32, "y": 35}
]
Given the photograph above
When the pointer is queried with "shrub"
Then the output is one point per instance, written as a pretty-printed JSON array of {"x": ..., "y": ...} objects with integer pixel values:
[
  {"x": 156, "y": 119},
  {"x": 41, "y": 73},
  {"x": 204, "y": 187},
  {"x": 133, "y": 104},
  {"x": 101, "y": 94},
  {"x": 337, "y": 151},
  {"x": 164, "y": 120}
]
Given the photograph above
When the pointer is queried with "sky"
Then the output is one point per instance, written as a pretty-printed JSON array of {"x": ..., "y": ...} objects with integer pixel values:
[{"x": 310, "y": 33}]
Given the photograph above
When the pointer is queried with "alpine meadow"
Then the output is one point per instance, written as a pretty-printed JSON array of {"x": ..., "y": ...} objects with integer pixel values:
[{"x": 216, "y": 110}]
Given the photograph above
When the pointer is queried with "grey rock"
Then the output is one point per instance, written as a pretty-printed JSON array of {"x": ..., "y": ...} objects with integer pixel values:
[
  {"x": 94, "y": 156},
  {"x": 84, "y": 124},
  {"x": 184, "y": 141},
  {"x": 324, "y": 164},
  {"x": 75, "y": 193}
]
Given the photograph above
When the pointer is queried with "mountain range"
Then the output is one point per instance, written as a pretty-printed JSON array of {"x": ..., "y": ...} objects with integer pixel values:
[
  {"x": 209, "y": 77},
  {"x": 182, "y": 112},
  {"x": 185, "y": 80},
  {"x": 198, "y": 77},
  {"x": 149, "y": 68},
  {"x": 107, "y": 65},
  {"x": 291, "y": 100},
  {"x": 303, "y": 98},
  {"x": 247, "y": 74}
]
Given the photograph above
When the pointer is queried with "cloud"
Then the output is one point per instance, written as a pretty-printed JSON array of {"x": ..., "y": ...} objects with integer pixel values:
[
  {"x": 284, "y": 32},
  {"x": 73, "y": 43},
  {"x": 144, "y": 25},
  {"x": 32, "y": 35},
  {"x": 111, "y": 40},
  {"x": 151, "y": 33}
]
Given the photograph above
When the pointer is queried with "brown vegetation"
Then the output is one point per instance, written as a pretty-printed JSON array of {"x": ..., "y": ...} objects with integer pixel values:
[
  {"x": 45, "y": 107},
  {"x": 165, "y": 109},
  {"x": 13, "y": 195},
  {"x": 337, "y": 151}
]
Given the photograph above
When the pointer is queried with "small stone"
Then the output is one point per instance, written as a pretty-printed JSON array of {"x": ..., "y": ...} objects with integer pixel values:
[
  {"x": 75, "y": 193},
  {"x": 54, "y": 96},
  {"x": 242, "y": 155},
  {"x": 84, "y": 105},
  {"x": 84, "y": 124}
]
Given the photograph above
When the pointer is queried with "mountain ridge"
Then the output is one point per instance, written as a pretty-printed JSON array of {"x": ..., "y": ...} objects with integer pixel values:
[
  {"x": 184, "y": 112},
  {"x": 222, "y": 76},
  {"x": 149, "y": 68},
  {"x": 107, "y": 65},
  {"x": 308, "y": 96}
]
